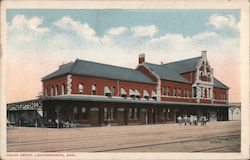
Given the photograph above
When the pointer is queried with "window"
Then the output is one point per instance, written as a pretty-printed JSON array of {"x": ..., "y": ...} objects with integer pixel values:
[
  {"x": 201, "y": 91},
  {"x": 209, "y": 77},
  {"x": 123, "y": 92},
  {"x": 179, "y": 92},
  {"x": 80, "y": 88},
  {"x": 214, "y": 96},
  {"x": 168, "y": 91},
  {"x": 93, "y": 92},
  {"x": 209, "y": 91},
  {"x": 107, "y": 91},
  {"x": 113, "y": 113},
  {"x": 164, "y": 91},
  {"x": 137, "y": 94},
  {"x": 185, "y": 93},
  {"x": 131, "y": 93},
  {"x": 130, "y": 113},
  {"x": 133, "y": 113},
  {"x": 113, "y": 91},
  {"x": 56, "y": 90},
  {"x": 154, "y": 95},
  {"x": 84, "y": 113},
  {"x": 75, "y": 113},
  {"x": 194, "y": 92},
  {"x": 188, "y": 92},
  {"x": 145, "y": 94},
  {"x": 45, "y": 92},
  {"x": 174, "y": 92},
  {"x": 52, "y": 91},
  {"x": 106, "y": 113},
  {"x": 63, "y": 89}
]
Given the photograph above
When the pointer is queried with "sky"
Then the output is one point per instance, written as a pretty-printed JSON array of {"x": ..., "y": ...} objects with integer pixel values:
[{"x": 39, "y": 40}]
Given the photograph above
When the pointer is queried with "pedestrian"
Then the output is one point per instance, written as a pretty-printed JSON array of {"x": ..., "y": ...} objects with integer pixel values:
[
  {"x": 195, "y": 120},
  {"x": 191, "y": 120},
  {"x": 179, "y": 120},
  {"x": 202, "y": 120},
  {"x": 185, "y": 118},
  {"x": 205, "y": 120}
]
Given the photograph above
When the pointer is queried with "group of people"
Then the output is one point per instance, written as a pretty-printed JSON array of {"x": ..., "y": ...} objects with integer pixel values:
[{"x": 191, "y": 120}]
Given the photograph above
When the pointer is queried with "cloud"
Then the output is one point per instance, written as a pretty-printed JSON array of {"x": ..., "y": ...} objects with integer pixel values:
[
  {"x": 67, "y": 23},
  {"x": 20, "y": 22},
  {"x": 72, "y": 39},
  {"x": 116, "y": 31},
  {"x": 144, "y": 31},
  {"x": 220, "y": 22}
]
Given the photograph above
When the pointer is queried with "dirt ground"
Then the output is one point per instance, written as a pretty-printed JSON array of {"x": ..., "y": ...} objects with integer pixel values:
[{"x": 214, "y": 137}]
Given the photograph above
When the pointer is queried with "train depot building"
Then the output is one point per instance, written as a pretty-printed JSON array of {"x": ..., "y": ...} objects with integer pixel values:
[{"x": 86, "y": 93}]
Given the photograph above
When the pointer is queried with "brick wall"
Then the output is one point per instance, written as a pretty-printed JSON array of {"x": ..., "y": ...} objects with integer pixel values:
[
  {"x": 102, "y": 82},
  {"x": 190, "y": 76},
  {"x": 59, "y": 81},
  {"x": 171, "y": 85}
]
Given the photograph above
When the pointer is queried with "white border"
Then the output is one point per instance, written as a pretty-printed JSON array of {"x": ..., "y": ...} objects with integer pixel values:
[{"x": 188, "y": 4}]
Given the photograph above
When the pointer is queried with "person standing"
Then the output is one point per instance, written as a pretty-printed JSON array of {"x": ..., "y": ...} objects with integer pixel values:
[
  {"x": 195, "y": 120},
  {"x": 185, "y": 118},
  {"x": 179, "y": 120}
]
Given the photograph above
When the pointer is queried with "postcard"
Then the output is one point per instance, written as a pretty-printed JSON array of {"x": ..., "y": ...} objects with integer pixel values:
[{"x": 124, "y": 80}]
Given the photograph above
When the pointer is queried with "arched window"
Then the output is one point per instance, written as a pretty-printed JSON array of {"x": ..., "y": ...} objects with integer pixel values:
[
  {"x": 131, "y": 93},
  {"x": 56, "y": 90},
  {"x": 107, "y": 91},
  {"x": 185, "y": 93},
  {"x": 45, "y": 92},
  {"x": 52, "y": 91},
  {"x": 179, "y": 92},
  {"x": 80, "y": 88},
  {"x": 145, "y": 94},
  {"x": 93, "y": 92},
  {"x": 137, "y": 94},
  {"x": 188, "y": 92},
  {"x": 112, "y": 91},
  {"x": 165, "y": 91},
  {"x": 63, "y": 89},
  {"x": 123, "y": 92},
  {"x": 174, "y": 92}
]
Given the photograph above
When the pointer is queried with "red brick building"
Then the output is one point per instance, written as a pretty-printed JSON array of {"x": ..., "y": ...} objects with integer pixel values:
[
  {"x": 93, "y": 94},
  {"x": 89, "y": 93}
]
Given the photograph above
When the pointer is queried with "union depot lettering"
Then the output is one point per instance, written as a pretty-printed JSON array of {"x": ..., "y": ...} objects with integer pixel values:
[{"x": 84, "y": 93}]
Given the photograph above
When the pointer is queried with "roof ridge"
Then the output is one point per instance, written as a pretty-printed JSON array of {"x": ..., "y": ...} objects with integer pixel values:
[
  {"x": 181, "y": 60},
  {"x": 74, "y": 64},
  {"x": 107, "y": 64}
]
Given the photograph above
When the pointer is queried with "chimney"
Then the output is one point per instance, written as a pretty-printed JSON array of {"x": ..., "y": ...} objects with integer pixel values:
[
  {"x": 64, "y": 65},
  {"x": 204, "y": 53},
  {"x": 141, "y": 58}
]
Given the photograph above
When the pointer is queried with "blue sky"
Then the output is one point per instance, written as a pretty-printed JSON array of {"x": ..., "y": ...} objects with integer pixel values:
[
  {"x": 39, "y": 40},
  {"x": 185, "y": 22}
]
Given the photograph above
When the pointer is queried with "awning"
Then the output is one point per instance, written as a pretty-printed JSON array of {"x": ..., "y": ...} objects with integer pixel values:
[
  {"x": 107, "y": 90},
  {"x": 154, "y": 94},
  {"x": 145, "y": 93},
  {"x": 131, "y": 92},
  {"x": 123, "y": 92},
  {"x": 137, "y": 93}
]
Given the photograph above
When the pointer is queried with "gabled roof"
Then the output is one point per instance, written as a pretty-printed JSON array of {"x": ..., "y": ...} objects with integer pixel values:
[
  {"x": 87, "y": 68},
  {"x": 183, "y": 66},
  {"x": 218, "y": 84},
  {"x": 167, "y": 73},
  {"x": 172, "y": 71}
]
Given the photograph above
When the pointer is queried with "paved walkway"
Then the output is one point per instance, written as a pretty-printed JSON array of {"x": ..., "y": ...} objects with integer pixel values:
[{"x": 214, "y": 137}]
